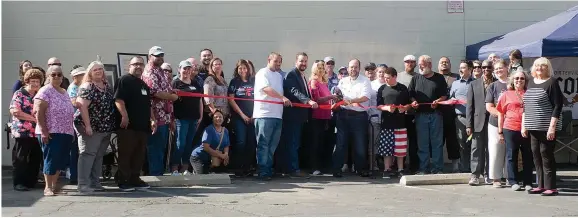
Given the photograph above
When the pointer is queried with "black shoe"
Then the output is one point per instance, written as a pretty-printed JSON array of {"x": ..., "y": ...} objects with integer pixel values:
[
  {"x": 402, "y": 173},
  {"x": 140, "y": 185},
  {"x": 299, "y": 175},
  {"x": 21, "y": 188},
  {"x": 125, "y": 188},
  {"x": 265, "y": 178},
  {"x": 338, "y": 175}
]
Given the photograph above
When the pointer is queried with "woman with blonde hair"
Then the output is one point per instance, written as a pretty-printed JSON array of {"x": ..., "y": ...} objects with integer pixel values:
[
  {"x": 540, "y": 121},
  {"x": 320, "y": 155},
  {"x": 496, "y": 147},
  {"x": 93, "y": 122},
  {"x": 54, "y": 115}
]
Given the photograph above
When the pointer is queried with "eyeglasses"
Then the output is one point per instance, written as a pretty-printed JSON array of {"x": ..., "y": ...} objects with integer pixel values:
[
  {"x": 330, "y": 63},
  {"x": 486, "y": 67},
  {"x": 167, "y": 71},
  {"x": 159, "y": 55},
  {"x": 54, "y": 75},
  {"x": 477, "y": 67},
  {"x": 137, "y": 64},
  {"x": 55, "y": 64},
  {"x": 519, "y": 78},
  {"x": 409, "y": 62}
]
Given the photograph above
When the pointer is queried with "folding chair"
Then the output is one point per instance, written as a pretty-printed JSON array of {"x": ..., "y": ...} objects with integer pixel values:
[{"x": 566, "y": 134}]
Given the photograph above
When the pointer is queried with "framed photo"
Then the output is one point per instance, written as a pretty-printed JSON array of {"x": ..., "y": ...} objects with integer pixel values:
[
  {"x": 124, "y": 60},
  {"x": 111, "y": 72}
]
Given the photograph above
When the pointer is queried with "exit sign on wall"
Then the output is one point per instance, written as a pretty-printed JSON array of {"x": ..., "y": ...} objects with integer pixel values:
[{"x": 455, "y": 6}]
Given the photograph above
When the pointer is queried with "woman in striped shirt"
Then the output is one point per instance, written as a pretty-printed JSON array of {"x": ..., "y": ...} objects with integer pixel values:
[{"x": 542, "y": 110}]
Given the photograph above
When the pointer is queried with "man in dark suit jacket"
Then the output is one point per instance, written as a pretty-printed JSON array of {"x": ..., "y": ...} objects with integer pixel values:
[
  {"x": 477, "y": 123},
  {"x": 295, "y": 88}
]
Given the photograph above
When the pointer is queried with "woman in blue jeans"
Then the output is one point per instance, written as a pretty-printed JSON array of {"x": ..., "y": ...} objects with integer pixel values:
[
  {"x": 242, "y": 86},
  {"x": 510, "y": 108},
  {"x": 187, "y": 111},
  {"x": 213, "y": 152}
]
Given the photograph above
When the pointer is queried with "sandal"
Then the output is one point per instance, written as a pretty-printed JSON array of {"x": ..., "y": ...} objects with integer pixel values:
[
  {"x": 535, "y": 191},
  {"x": 48, "y": 192},
  {"x": 550, "y": 192}
]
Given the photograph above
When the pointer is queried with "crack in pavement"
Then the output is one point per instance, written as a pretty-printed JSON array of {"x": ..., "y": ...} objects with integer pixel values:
[
  {"x": 60, "y": 208},
  {"x": 129, "y": 211}
]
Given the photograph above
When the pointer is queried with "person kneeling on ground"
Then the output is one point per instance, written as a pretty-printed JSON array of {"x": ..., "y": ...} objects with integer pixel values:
[{"x": 214, "y": 150}]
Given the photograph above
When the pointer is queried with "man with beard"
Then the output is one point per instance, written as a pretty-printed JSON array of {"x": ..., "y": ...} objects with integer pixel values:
[
  {"x": 409, "y": 63},
  {"x": 131, "y": 93},
  {"x": 352, "y": 120},
  {"x": 426, "y": 90},
  {"x": 459, "y": 91},
  {"x": 206, "y": 56},
  {"x": 162, "y": 108},
  {"x": 449, "y": 116},
  {"x": 296, "y": 89}
]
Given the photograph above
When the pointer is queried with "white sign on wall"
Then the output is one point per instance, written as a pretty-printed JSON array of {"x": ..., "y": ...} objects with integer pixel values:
[{"x": 455, "y": 6}]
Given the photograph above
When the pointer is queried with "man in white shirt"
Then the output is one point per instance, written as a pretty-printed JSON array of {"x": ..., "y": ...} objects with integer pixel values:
[
  {"x": 268, "y": 116},
  {"x": 352, "y": 120}
]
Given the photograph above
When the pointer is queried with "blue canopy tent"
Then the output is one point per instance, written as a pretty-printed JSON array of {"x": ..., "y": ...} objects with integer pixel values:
[{"x": 556, "y": 36}]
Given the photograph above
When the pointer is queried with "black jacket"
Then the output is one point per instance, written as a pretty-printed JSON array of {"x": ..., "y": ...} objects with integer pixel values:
[{"x": 294, "y": 88}]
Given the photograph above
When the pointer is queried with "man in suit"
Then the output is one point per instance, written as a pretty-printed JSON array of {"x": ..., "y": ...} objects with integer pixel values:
[
  {"x": 294, "y": 118},
  {"x": 477, "y": 122}
]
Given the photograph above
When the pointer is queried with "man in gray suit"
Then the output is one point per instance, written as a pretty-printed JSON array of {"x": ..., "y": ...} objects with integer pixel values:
[{"x": 477, "y": 122}]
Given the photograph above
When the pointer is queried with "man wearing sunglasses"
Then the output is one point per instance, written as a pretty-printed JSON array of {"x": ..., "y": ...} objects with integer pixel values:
[
  {"x": 53, "y": 61},
  {"x": 162, "y": 98}
]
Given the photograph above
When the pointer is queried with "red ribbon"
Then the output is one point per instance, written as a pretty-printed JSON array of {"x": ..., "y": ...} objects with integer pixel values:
[{"x": 326, "y": 107}]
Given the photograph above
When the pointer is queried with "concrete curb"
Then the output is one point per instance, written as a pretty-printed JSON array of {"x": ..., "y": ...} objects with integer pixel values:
[
  {"x": 168, "y": 181},
  {"x": 435, "y": 179}
]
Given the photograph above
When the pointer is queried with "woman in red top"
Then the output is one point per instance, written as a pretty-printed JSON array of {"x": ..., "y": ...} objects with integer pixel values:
[
  {"x": 320, "y": 156},
  {"x": 510, "y": 108}
]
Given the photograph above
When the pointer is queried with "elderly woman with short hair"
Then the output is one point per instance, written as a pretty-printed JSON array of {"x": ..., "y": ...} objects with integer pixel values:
[
  {"x": 54, "y": 114},
  {"x": 26, "y": 154},
  {"x": 541, "y": 119},
  {"x": 93, "y": 123}
]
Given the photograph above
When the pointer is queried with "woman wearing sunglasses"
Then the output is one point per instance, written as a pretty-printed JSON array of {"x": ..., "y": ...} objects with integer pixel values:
[
  {"x": 477, "y": 72},
  {"x": 510, "y": 108},
  {"x": 54, "y": 113}
]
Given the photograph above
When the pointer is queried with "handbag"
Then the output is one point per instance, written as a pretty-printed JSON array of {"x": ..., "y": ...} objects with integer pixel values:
[{"x": 216, "y": 161}]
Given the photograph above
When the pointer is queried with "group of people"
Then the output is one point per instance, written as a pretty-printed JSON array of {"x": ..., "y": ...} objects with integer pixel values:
[{"x": 273, "y": 121}]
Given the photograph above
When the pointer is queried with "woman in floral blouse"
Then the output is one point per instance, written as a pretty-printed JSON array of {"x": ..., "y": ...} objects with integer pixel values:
[
  {"x": 93, "y": 123},
  {"x": 26, "y": 154},
  {"x": 215, "y": 84},
  {"x": 54, "y": 128}
]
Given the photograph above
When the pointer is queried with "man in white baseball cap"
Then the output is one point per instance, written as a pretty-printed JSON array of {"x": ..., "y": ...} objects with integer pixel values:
[{"x": 409, "y": 63}]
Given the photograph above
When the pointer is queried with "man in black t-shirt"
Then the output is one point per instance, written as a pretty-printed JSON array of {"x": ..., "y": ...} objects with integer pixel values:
[
  {"x": 449, "y": 115},
  {"x": 131, "y": 96},
  {"x": 426, "y": 90}
]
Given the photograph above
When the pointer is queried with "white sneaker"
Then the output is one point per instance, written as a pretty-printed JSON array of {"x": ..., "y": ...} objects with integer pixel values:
[
  {"x": 316, "y": 173},
  {"x": 344, "y": 168},
  {"x": 175, "y": 173},
  {"x": 187, "y": 173}
]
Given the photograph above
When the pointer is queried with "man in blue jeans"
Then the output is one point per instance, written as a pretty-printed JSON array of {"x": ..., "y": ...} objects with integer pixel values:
[
  {"x": 162, "y": 108},
  {"x": 426, "y": 90},
  {"x": 352, "y": 120},
  {"x": 268, "y": 123}
]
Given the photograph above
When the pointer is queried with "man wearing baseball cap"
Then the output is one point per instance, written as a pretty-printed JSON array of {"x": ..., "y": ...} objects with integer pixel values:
[
  {"x": 409, "y": 63},
  {"x": 162, "y": 108},
  {"x": 370, "y": 71}
]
